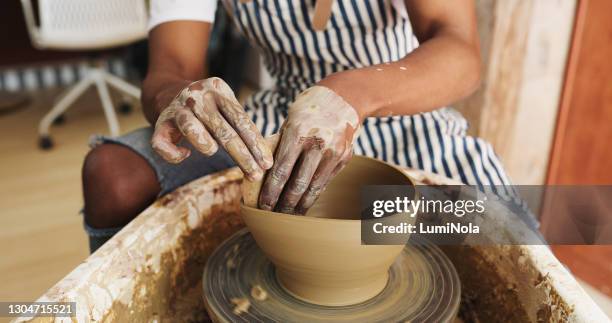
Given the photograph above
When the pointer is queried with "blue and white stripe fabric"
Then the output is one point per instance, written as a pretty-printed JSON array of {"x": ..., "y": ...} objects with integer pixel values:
[{"x": 359, "y": 33}]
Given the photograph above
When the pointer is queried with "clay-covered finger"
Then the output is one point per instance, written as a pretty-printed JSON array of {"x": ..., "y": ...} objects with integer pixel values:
[
  {"x": 225, "y": 135},
  {"x": 241, "y": 155},
  {"x": 346, "y": 157},
  {"x": 329, "y": 168},
  {"x": 287, "y": 154},
  {"x": 299, "y": 181},
  {"x": 251, "y": 189},
  {"x": 320, "y": 179},
  {"x": 164, "y": 141},
  {"x": 247, "y": 130},
  {"x": 191, "y": 127}
]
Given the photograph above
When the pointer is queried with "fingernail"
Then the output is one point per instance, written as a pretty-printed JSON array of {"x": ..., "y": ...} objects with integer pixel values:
[
  {"x": 268, "y": 163},
  {"x": 265, "y": 207}
]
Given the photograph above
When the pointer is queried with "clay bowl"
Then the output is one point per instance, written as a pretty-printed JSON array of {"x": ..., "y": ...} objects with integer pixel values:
[{"x": 319, "y": 257}]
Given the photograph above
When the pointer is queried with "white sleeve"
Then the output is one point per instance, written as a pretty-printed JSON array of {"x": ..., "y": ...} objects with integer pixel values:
[{"x": 169, "y": 10}]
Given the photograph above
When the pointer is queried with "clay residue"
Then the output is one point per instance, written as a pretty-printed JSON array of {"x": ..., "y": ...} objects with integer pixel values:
[
  {"x": 230, "y": 263},
  {"x": 176, "y": 291},
  {"x": 501, "y": 284},
  {"x": 258, "y": 293},
  {"x": 553, "y": 309},
  {"x": 251, "y": 188},
  {"x": 485, "y": 296},
  {"x": 241, "y": 305},
  {"x": 152, "y": 269},
  {"x": 207, "y": 114},
  {"x": 194, "y": 189}
]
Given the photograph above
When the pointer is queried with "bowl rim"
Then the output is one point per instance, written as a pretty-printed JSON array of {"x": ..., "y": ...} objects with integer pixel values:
[{"x": 304, "y": 218}]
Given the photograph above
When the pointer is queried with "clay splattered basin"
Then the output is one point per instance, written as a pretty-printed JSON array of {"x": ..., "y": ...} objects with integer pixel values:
[{"x": 319, "y": 257}]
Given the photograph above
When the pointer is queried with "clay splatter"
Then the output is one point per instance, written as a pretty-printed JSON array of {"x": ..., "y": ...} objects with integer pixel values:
[
  {"x": 258, "y": 293},
  {"x": 320, "y": 126},
  {"x": 208, "y": 114},
  {"x": 230, "y": 264},
  {"x": 241, "y": 305}
]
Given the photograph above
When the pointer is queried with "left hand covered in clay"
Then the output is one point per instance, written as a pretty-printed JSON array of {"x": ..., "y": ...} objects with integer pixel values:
[{"x": 316, "y": 143}]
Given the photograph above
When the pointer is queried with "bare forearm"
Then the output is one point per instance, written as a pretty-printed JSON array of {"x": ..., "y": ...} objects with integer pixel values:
[
  {"x": 442, "y": 71},
  {"x": 176, "y": 58},
  {"x": 157, "y": 93}
]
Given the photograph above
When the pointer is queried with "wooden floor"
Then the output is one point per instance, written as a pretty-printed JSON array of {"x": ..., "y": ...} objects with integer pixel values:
[{"x": 41, "y": 235}]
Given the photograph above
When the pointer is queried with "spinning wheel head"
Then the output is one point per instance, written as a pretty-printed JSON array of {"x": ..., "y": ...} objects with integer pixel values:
[{"x": 423, "y": 286}]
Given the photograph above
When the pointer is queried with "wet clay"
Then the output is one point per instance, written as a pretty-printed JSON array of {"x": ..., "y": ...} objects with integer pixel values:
[
  {"x": 252, "y": 187},
  {"x": 241, "y": 305},
  {"x": 207, "y": 114},
  {"x": 258, "y": 293},
  {"x": 316, "y": 143},
  {"x": 319, "y": 257}
]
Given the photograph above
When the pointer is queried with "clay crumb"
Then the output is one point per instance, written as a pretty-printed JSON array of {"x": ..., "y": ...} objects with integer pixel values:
[
  {"x": 540, "y": 280},
  {"x": 241, "y": 305},
  {"x": 230, "y": 264},
  {"x": 258, "y": 293}
]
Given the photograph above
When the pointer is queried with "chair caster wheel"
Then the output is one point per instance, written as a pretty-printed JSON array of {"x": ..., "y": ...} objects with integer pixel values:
[
  {"x": 125, "y": 108},
  {"x": 45, "y": 143},
  {"x": 59, "y": 120}
]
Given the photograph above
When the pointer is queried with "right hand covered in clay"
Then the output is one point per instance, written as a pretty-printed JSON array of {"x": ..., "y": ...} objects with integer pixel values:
[
  {"x": 207, "y": 114},
  {"x": 316, "y": 143}
]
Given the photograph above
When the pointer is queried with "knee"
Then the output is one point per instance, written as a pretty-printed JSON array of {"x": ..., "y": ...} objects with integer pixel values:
[{"x": 117, "y": 185}]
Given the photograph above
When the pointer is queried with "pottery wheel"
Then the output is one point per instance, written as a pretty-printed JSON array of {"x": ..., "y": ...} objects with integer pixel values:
[{"x": 423, "y": 287}]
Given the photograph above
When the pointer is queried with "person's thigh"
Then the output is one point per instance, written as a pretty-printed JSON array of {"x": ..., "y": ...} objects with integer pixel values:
[{"x": 171, "y": 176}]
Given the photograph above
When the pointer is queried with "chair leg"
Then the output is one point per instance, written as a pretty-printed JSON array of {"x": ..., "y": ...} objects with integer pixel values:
[
  {"x": 107, "y": 104},
  {"x": 128, "y": 91},
  {"x": 62, "y": 105},
  {"x": 122, "y": 85}
]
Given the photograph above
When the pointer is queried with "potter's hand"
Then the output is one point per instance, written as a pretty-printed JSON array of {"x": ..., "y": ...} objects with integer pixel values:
[
  {"x": 316, "y": 142},
  {"x": 207, "y": 114}
]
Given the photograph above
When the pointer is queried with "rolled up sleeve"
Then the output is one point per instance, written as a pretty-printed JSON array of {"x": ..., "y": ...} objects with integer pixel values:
[{"x": 161, "y": 11}]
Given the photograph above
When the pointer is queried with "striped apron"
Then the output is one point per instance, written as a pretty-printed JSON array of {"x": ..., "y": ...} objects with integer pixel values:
[{"x": 359, "y": 33}]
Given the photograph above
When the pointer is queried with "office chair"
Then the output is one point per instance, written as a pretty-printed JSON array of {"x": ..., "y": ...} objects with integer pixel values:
[{"x": 86, "y": 25}]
